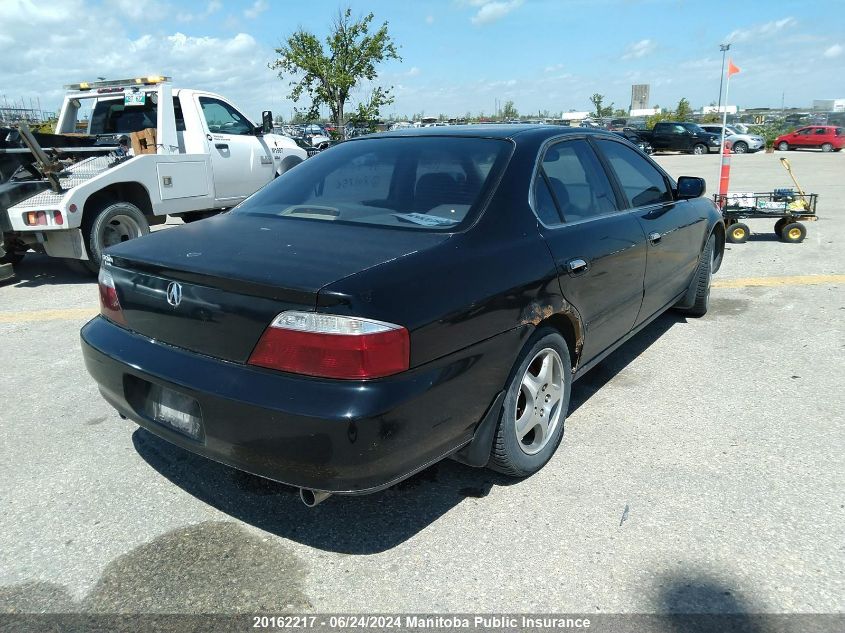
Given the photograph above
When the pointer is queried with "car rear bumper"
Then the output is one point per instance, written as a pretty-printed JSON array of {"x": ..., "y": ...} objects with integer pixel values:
[{"x": 348, "y": 437}]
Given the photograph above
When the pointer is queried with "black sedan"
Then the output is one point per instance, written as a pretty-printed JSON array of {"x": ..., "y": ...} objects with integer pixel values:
[{"x": 399, "y": 299}]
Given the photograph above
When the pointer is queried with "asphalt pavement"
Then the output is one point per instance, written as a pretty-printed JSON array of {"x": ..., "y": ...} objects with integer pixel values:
[{"x": 701, "y": 469}]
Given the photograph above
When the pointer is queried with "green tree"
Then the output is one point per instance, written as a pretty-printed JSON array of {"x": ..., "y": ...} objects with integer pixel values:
[
  {"x": 600, "y": 111},
  {"x": 619, "y": 113},
  {"x": 651, "y": 121},
  {"x": 509, "y": 111},
  {"x": 683, "y": 112},
  {"x": 328, "y": 75}
]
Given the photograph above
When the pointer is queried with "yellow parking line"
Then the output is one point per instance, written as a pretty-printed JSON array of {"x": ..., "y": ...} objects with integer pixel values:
[
  {"x": 47, "y": 315},
  {"x": 797, "y": 280}
]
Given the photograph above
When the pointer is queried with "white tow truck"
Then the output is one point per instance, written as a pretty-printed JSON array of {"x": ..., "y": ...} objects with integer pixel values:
[{"x": 203, "y": 156}]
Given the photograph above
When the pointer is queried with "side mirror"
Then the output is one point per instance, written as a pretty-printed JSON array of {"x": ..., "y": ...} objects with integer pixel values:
[
  {"x": 690, "y": 187},
  {"x": 266, "y": 121}
]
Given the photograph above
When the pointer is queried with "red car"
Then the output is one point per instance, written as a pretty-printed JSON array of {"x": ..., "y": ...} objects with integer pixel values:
[{"x": 828, "y": 138}]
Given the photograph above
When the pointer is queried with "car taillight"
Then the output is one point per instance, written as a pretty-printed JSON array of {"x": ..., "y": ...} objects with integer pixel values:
[
  {"x": 109, "y": 303},
  {"x": 332, "y": 346}
]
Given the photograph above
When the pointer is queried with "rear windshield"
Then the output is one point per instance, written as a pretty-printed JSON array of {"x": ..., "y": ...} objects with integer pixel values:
[
  {"x": 113, "y": 117},
  {"x": 422, "y": 183}
]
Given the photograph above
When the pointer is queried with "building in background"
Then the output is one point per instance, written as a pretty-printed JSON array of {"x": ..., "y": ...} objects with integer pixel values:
[
  {"x": 640, "y": 95},
  {"x": 730, "y": 109},
  {"x": 829, "y": 105}
]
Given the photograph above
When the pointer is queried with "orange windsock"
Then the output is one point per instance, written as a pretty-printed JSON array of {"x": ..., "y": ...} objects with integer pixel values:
[{"x": 732, "y": 69}]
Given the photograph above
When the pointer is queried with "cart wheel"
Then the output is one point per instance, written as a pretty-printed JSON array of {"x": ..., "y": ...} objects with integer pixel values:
[
  {"x": 794, "y": 233},
  {"x": 738, "y": 233},
  {"x": 779, "y": 226}
]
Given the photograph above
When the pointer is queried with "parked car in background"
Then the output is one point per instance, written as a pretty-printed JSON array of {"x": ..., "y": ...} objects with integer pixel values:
[
  {"x": 827, "y": 138},
  {"x": 680, "y": 136},
  {"x": 636, "y": 139},
  {"x": 740, "y": 143},
  {"x": 475, "y": 272}
]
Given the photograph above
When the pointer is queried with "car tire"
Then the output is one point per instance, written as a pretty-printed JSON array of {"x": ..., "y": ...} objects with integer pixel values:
[
  {"x": 779, "y": 226},
  {"x": 538, "y": 391},
  {"x": 699, "y": 148},
  {"x": 702, "y": 280},
  {"x": 110, "y": 224},
  {"x": 738, "y": 233},
  {"x": 793, "y": 233},
  {"x": 783, "y": 146},
  {"x": 827, "y": 147},
  {"x": 740, "y": 147}
]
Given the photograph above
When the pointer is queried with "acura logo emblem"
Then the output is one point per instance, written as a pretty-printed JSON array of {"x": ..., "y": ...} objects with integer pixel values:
[{"x": 174, "y": 293}]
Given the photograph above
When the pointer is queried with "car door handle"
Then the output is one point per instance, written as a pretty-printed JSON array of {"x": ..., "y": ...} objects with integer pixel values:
[
  {"x": 221, "y": 146},
  {"x": 655, "y": 238},
  {"x": 577, "y": 266}
]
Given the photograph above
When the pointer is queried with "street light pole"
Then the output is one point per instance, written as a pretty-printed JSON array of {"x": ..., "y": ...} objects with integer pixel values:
[{"x": 724, "y": 48}]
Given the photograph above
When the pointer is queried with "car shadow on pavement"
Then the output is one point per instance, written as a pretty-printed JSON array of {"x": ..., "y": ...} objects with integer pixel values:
[
  {"x": 590, "y": 383},
  {"x": 366, "y": 524},
  {"x": 39, "y": 270},
  {"x": 700, "y": 603}
]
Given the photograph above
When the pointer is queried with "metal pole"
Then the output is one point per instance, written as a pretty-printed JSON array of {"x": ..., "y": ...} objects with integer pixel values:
[{"x": 724, "y": 48}]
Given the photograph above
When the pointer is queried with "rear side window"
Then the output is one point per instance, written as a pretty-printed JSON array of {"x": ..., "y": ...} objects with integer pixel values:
[
  {"x": 642, "y": 183},
  {"x": 838, "y": 131},
  {"x": 576, "y": 181},
  {"x": 420, "y": 183}
]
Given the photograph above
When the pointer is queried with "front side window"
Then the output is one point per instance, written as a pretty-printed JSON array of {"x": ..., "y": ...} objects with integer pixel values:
[
  {"x": 421, "y": 183},
  {"x": 222, "y": 118},
  {"x": 804, "y": 131},
  {"x": 642, "y": 182},
  {"x": 575, "y": 181}
]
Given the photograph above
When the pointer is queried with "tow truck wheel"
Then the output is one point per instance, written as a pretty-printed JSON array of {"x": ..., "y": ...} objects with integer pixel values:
[
  {"x": 794, "y": 233},
  {"x": 12, "y": 257},
  {"x": 779, "y": 226},
  {"x": 111, "y": 224},
  {"x": 738, "y": 233},
  {"x": 12, "y": 251}
]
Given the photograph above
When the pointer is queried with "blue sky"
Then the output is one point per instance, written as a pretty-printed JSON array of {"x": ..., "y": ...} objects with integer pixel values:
[{"x": 458, "y": 55}]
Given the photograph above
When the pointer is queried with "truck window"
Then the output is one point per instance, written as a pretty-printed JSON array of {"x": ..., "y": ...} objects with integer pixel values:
[
  {"x": 112, "y": 117},
  {"x": 222, "y": 118}
]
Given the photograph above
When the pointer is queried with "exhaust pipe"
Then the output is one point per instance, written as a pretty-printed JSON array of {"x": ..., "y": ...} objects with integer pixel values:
[{"x": 312, "y": 497}]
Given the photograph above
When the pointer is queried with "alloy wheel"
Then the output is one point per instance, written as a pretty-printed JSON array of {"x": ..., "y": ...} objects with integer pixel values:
[{"x": 538, "y": 406}]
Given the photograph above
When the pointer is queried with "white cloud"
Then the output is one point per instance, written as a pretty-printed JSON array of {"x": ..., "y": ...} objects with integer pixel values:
[
  {"x": 233, "y": 66},
  {"x": 639, "y": 49},
  {"x": 761, "y": 31},
  {"x": 258, "y": 7},
  {"x": 490, "y": 11},
  {"x": 429, "y": 19},
  {"x": 413, "y": 72},
  {"x": 553, "y": 68},
  {"x": 834, "y": 51},
  {"x": 210, "y": 9}
]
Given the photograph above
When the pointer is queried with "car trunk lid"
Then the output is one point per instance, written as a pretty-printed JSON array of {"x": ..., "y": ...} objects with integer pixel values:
[{"x": 235, "y": 273}]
